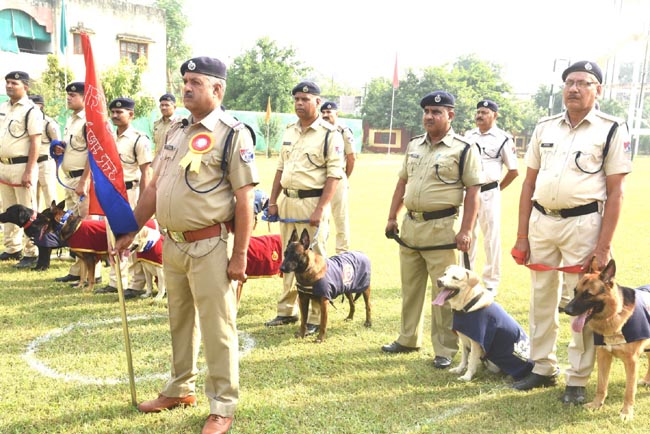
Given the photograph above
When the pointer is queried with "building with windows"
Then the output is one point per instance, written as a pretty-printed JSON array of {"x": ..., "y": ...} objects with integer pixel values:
[{"x": 32, "y": 29}]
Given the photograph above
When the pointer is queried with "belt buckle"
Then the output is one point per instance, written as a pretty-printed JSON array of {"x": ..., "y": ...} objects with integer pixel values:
[
  {"x": 5, "y": 160},
  {"x": 294, "y": 194},
  {"x": 552, "y": 212},
  {"x": 177, "y": 237},
  {"x": 416, "y": 216}
]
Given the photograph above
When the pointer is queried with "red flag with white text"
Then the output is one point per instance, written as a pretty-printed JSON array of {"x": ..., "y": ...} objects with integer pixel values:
[{"x": 395, "y": 79}]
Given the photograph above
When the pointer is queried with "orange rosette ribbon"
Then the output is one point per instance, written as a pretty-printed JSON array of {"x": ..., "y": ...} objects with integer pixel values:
[{"x": 200, "y": 144}]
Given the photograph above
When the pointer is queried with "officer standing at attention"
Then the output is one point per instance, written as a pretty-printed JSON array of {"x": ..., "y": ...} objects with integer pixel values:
[
  {"x": 569, "y": 207},
  {"x": 202, "y": 184},
  {"x": 309, "y": 169},
  {"x": 431, "y": 185},
  {"x": 134, "y": 148},
  {"x": 20, "y": 137},
  {"x": 46, "y": 191},
  {"x": 329, "y": 112},
  {"x": 161, "y": 126},
  {"x": 497, "y": 150},
  {"x": 75, "y": 169}
]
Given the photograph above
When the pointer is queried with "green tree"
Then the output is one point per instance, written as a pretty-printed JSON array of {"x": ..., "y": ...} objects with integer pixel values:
[
  {"x": 264, "y": 70},
  {"x": 51, "y": 85},
  {"x": 177, "y": 49},
  {"x": 125, "y": 79}
]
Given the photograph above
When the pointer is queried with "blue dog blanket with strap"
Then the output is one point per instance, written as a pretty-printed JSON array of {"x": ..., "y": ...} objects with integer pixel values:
[
  {"x": 348, "y": 272},
  {"x": 504, "y": 341},
  {"x": 637, "y": 326}
]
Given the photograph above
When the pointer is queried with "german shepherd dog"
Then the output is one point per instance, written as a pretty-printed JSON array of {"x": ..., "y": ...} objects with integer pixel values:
[
  {"x": 323, "y": 280},
  {"x": 612, "y": 312},
  {"x": 88, "y": 240},
  {"x": 34, "y": 225},
  {"x": 485, "y": 330}
]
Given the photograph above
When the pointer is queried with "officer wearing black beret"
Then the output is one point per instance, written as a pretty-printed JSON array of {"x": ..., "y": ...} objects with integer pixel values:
[
  {"x": 205, "y": 65},
  {"x": 167, "y": 97},
  {"x": 585, "y": 66},
  {"x": 306, "y": 87},
  {"x": 167, "y": 106},
  {"x": 438, "y": 98},
  {"x": 37, "y": 99},
  {"x": 329, "y": 105},
  {"x": 76, "y": 87},
  {"x": 122, "y": 103},
  {"x": 432, "y": 186},
  {"x": 18, "y": 75},
  {"x": 488, "y": 104}
]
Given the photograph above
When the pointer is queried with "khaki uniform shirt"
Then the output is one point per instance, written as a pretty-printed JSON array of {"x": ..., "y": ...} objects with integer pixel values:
[
  {"x": 562, "y": 182},
  {"x": 76, "y": 150},
  {"x": 302, "y": 160},
  {"x": 160, "y": 129},
  {"x": 497, "y": 150},
  {"x": 206, "y": 198},
  {"x": 50, "y": 132},
  {"x": 14, "y": 133},
  {"x": 135, "y": 150},
  {"x": 433, "y": 174}
]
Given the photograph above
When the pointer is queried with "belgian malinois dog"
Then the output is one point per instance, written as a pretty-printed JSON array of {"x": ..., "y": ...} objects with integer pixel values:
[
  {"x": 322, "y": 280},
  {"x": 621, "y": 324}
]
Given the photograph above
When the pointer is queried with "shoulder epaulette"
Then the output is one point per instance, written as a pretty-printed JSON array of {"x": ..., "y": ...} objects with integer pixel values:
[
  {"x": 328, "y": 126},
  {"x": 231, "y": 121},
  {"x": 461, "y": 139},
  {"x": 550, "y": 118},
  {"x": 416, "y": 137},
  {"x": 611, "y": 118}
]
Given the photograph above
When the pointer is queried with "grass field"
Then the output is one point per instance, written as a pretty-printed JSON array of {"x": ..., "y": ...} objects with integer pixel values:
[{"x": 63, "y": 368}]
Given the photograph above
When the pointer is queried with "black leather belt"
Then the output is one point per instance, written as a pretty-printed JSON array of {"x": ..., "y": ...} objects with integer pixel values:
[
  {"x": 75, "y": 173},
  {"x": 20, "y": 160},
  {"x": 301, "y": 194},
  {"x": 432, "y": 215},
  {"x": 490, "y": 186},
  {"x": 568, "y": 212}
]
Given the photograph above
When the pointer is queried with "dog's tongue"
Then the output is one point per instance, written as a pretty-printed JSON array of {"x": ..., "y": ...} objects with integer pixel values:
[
  {"x": 442, "y": 296},
  {"x": 578, "y": 322}
]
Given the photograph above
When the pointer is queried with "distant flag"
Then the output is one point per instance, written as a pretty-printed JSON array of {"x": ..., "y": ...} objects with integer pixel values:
[
  {"x": 268, "y": 110},
  {"x": 63, "y": 29},
  {"x": 107, "y": 175},
  {"x": 395, "y": 79}
]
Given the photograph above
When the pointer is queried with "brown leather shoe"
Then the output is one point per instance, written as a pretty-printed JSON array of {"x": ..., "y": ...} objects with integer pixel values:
[
  {"x": 216, "y": 424},
  {"x": 166, "y": 403}
]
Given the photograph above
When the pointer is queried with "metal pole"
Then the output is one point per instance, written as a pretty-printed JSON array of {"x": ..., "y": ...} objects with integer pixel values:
[{"x": 390, "y": 128}]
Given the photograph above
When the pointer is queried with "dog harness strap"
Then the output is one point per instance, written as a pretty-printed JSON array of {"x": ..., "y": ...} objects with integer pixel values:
[
  {"x": 567, "y": 212},
  {"x": 520, "y": 257},
  {"x": 471, "y": 303},
  {"x": 302, "y": 194},
  {"x": 490, "y": 186},
  {"x": 432, "y": 215},
  {"x": 199, "y": 234}
]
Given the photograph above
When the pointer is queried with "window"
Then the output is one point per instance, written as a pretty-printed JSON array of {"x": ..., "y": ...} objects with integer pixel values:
[
  {"x": 19, "y": 32},
  {"x": 133, "y": 47}
]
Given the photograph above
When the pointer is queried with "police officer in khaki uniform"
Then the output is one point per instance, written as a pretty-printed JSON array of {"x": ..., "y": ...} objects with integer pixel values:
[
  {"x": 161, "y": 126},
  {"x": 570, "y": 205},
  {"x": 431, "y": 186},
  {"x": 74, "y": 170},
  {"x": 46, "y": 191},
  {"x": 329, "y": 112},
  {"x": 309, "y": 169},
  {"x": 21, "y": 126},
  {"x": 200, "y": 189},
  {"x": 134, "y": 148},
  {"x": 497, "y": 150}
]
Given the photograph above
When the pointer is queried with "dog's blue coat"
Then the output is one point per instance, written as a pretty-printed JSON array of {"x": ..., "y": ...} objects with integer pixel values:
[
  {"x": 504, "y": 341},
  {"x": 348, "y": 272},
  {"x": 637, "y": 327}
]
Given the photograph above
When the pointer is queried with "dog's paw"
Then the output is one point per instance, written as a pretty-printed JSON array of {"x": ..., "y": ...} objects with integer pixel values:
[
  {"x": 627, "y": 414},
  {"x": 593, "y": 405},
  {"x": 367, "y": 324},
  {"x": 645, "y": 382},
  {"x": 465, "y": 377},
  {"x": 457, "y": 370}
]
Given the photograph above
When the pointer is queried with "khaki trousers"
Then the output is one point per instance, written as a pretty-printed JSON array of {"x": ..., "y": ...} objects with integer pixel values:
[
  {"x": 202, "y": 306},
  {"x": 13, "y": 235},
  {"x": 340, "y": 215}
]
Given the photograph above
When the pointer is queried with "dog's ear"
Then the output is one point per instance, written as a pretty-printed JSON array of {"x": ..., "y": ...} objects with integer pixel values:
[
  {"x": 304, "y": 239},
  {"x": 61, "y": 205},
  {"x": 294, "y": 236},
  {"x": 607, "y": 275}
]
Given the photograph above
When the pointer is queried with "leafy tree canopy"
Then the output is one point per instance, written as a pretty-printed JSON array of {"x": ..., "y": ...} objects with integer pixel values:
[
  {"x": 178, "y": 50},
  {"x": 125, "y": 79}
]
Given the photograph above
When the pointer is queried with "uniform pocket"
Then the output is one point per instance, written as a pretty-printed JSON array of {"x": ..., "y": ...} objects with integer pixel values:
[{"x": 588, "y": 158}]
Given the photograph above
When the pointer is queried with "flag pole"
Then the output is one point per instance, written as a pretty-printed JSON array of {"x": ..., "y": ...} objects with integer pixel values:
[
  {"x": 115, "y": 262},
  {"x": 268, "y": 127},
  {"x": 392, "y": 106}
]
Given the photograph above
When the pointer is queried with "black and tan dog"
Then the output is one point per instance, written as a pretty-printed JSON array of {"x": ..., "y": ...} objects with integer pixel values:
[
  {"x": 620, "y": 320},
  {"x": 323, "y": 280},
  {"x": 34, "y": 225}
]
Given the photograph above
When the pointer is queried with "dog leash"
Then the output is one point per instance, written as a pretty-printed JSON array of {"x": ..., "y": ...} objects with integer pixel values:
[
  {"x": 520, "y": 258},
  {"x": 57, "y": 160},
  {"x": 2, "y": 181},
  {"x": 394, "y": 236}
]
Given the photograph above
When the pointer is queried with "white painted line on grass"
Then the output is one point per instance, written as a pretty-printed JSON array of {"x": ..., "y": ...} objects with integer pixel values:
[{"x": 246, "y": 343}]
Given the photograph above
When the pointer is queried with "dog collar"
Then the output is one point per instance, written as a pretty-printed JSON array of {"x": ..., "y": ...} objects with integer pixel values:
[
  {"x": 64, "y": 219},
  {"x": 31, "y": 220}
]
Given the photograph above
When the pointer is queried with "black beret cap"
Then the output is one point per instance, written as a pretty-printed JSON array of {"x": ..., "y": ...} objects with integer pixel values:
[
  {"x": 37, "y": 99},
  {"x": 122, "y": 103},
  {"x": 75, "y": 86},
  {"x": 18, "y": 75},
  {"x": 205, "y": 65},
  {"x": 329, "y": 105},
  {"x": 167, "y": 97},
  {"x": 438, "y": 98},
  {"x": 586, "y": 66},
  {"x": 488, "y": 104},
  {"x": 306, "y": 87}
]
